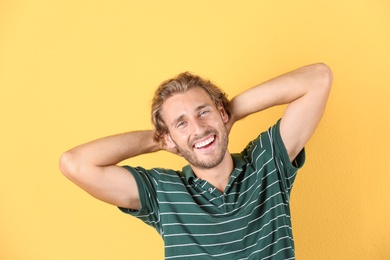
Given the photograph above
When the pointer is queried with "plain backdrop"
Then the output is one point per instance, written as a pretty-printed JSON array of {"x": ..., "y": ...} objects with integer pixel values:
[{"x": 74, "y": 71}]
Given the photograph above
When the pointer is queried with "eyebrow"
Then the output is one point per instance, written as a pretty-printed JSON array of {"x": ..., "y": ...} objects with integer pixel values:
[
  {"x": 201, "y": 107},
  {"x": 197, "y": 109}
]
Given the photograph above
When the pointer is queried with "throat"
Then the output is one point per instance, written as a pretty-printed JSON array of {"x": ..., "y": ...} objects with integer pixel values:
[{"x": 218, "y": 176}]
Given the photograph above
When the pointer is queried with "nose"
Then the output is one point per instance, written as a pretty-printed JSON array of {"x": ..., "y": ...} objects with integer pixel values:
[{"x": 198, "y": 127}]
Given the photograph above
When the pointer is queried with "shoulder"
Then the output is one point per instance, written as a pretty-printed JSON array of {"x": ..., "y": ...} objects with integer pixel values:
[
  {"x": 268, "y": 144},
  {"x": 263, "y": 143},
  {"x": 154, "y": 175}
]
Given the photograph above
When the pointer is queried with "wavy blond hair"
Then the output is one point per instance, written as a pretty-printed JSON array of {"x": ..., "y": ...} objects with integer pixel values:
[{"x": 180, "y": 84}]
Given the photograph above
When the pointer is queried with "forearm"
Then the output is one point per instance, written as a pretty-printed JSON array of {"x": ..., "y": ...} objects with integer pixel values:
[
  {"x": 283, "y": 89},
  {"x": 93, "y": 166},
  {"x": 113, "y": 149}
]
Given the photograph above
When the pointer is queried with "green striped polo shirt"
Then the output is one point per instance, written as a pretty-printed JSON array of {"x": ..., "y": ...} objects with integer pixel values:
[{"x": 249, "y": 220}]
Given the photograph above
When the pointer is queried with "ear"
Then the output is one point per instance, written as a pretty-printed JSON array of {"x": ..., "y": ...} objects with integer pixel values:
[
  {"x": 169, "y": 142},
  {"x": 224, "y": 114}
]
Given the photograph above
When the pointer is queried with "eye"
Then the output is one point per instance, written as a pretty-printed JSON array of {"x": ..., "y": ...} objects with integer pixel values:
[
  {"x": 203, "y": 113},
  {"x": 181, "y": 124}
]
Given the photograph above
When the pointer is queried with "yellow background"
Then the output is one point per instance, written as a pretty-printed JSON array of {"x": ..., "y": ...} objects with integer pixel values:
[{"x": 73, "y": 71}]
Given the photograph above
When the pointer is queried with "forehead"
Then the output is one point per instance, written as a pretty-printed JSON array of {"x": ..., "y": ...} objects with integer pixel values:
[{"x": 185, "y": 103}]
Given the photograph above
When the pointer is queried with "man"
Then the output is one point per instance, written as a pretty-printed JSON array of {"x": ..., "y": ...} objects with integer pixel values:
[{"x": 221, "y": 205}]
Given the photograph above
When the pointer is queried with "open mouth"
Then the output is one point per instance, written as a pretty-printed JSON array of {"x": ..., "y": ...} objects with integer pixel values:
[{"x": 205, "y": 143}]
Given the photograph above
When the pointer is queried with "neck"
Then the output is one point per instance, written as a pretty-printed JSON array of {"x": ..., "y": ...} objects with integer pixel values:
[{"x": 219, "y": 175}]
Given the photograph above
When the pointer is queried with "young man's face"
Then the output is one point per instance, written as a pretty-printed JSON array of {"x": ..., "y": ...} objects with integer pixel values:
[{"x": 196, "y": 128}]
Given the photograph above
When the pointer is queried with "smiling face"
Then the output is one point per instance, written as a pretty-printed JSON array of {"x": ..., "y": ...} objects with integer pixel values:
[{"x": 196, "y": 128}]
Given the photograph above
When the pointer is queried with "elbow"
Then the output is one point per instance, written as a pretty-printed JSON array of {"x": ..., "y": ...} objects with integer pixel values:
[
  {"x": 324, "y": 75},
  {"x": 68, "y": 165}
]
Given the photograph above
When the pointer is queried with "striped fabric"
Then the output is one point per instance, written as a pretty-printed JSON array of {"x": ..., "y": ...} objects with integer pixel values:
[{"x": 250, "y": 220}]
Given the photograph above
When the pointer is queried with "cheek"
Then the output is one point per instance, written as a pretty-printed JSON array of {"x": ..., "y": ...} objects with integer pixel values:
[
  {"x": 179, "y": 138},
  {"x": 220, "y": 121}
]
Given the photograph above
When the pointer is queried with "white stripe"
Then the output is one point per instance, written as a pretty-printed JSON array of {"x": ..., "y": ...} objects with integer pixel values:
[
  {"x": 234, "y": 241},
  {"x": 172, "y": 192},
  {"x": 231, "y": 252},
  {"x": 235, "y": 230},
  {"x": 246, "y": 204},
  {"x": 173, "y": 183},
  {"x": 223, "y": 222}
]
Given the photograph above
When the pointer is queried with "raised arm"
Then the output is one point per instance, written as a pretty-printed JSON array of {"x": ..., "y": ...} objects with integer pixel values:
[
  {"x": 306, "y": 90},
  {"x": 92, "y": 166}
]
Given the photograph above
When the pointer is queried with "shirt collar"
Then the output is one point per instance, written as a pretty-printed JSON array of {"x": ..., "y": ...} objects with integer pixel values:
[{"x": 188, "y": 173}]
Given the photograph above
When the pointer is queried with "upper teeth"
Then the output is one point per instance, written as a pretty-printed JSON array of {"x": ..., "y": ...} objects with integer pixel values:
[{"x": 205, "y": 142}]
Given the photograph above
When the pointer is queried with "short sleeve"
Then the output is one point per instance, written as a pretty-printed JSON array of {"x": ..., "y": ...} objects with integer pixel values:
[{"x": 146, "y": 183}]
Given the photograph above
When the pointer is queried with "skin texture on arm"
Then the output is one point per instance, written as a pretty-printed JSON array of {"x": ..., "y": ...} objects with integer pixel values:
[
  {"x": 306, "y": 90},
  {"x": 92, "y": 166}
]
